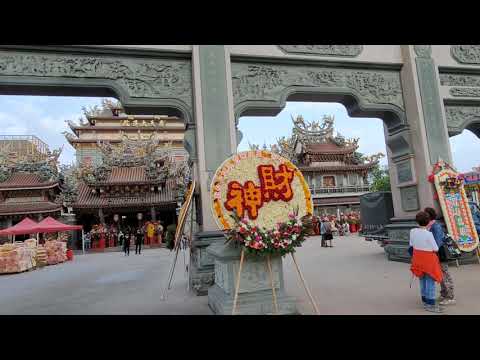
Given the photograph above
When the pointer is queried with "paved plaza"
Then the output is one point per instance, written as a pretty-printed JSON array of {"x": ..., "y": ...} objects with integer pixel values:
[{"x": 353, "y": 277}]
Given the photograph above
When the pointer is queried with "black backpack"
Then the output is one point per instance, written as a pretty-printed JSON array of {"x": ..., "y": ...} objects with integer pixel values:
[{"x": 449, "y": 250}]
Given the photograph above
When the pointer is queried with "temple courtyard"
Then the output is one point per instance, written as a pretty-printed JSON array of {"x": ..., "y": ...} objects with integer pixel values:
[{"x": 353, "y": 277}]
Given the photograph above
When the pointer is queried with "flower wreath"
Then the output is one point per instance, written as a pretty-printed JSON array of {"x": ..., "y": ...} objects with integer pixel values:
[{"x": 281, "y": 240}]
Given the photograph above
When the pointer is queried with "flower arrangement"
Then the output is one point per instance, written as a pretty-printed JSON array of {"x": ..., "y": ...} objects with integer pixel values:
[{"x": 281, "y": 240}]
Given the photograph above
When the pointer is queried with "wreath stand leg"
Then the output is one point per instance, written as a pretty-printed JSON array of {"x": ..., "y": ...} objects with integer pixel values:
[
  {"x": 478, "y": 257},
  {"x": 237, "y": 286},
  {"x": 305, "y": 286},
  {"x": 269, "y": 266},
  {"x": 170, "y": 274}
]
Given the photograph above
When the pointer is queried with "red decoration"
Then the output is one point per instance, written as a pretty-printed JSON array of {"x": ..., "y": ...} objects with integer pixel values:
[
  {"x": 274, "y": 185},
  {"x": 431, "y": 178}
]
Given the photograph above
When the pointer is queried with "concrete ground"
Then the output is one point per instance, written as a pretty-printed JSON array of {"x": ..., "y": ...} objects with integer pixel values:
[{"x": 353, "y": 277}]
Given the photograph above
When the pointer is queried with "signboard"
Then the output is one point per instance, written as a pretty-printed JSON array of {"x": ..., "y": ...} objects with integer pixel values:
[
  {"x": 454, "y": 204},
  {"x": 262, "y": 187},
  {"x": 183, "y": 212}
]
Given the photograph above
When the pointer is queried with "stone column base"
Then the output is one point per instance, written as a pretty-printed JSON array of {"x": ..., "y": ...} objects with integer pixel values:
[
  {"x": 399, "y": 238},
  {"x": 255, "y": 292},
  {"x": 201, "y": 269}
]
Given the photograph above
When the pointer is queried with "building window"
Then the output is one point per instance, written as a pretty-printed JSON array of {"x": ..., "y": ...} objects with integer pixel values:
[{"x": 329, "y": 181}]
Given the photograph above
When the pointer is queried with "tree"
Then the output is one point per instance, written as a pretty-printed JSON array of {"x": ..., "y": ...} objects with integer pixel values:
[{"x": 380, "y": 179}]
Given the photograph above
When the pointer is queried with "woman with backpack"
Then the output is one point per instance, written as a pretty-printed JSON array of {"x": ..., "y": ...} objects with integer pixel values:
[{"x": 447, "y": 295}]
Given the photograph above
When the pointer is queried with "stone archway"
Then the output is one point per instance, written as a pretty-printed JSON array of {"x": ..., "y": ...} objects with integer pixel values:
[{"x": 263, "y": 89}]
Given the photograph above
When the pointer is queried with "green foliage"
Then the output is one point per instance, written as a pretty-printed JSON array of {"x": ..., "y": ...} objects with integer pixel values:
[{"x": 380, "y": 179}]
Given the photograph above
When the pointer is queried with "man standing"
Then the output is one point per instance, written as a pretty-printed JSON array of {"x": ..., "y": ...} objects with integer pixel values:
[{"x": 138, "y": 241}]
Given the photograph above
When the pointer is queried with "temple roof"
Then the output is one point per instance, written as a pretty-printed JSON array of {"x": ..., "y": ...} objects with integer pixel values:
[
  {"x": 25, "y": 180},
  {"x": 121, "y": 175},
  {"x": 29, "y": 208},
  {"x": 329, "y": 148},
  {"x": 337, "y": 200},
  {"x": 87, "y": 199},
  {"x": 329, "y": 168}
]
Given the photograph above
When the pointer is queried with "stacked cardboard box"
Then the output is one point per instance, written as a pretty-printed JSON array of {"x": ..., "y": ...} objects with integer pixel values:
[
  {"x": 15, "y": 258},
  {"x": 56, "y": 252}
]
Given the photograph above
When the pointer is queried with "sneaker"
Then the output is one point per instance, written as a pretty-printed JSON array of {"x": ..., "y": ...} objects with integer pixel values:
[
  {"x": 434, "y": 308},
  {"x": 447, "y": 302}
]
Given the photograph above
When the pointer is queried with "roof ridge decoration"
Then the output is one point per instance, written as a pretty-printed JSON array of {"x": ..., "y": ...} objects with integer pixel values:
[
  {"x": 158, "y": 161},
  {"x": 46, "y": 169},
  {"x": 316, "y": 133}
]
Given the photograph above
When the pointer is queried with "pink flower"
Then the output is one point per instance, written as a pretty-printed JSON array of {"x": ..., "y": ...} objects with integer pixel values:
[{"x": 291, "y": 216}]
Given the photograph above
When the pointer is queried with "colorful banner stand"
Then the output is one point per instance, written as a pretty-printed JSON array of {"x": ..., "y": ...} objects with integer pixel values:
[{"x": 454, "y": 203}]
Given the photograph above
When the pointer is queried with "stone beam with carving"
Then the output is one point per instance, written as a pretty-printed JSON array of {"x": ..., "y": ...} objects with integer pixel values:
[
  {"x": 466, "y": 54},
  {"x": 269, "y": 86},
  {"x": 324, "y": 50},
  {"x": 460, "y": 117},
  {"x": 131, "y": 77}
]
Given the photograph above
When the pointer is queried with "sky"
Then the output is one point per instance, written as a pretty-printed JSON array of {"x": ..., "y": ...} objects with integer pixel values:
[{"x": 45, "y": 117}]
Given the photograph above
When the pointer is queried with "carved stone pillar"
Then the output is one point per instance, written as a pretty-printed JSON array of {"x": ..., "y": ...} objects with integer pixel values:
[
  {"x": 215, "y": 136},
  {"x": 412, "y": 152}
]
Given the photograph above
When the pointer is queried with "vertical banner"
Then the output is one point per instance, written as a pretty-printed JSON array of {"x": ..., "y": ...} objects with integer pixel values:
[{"x": 454, "y": 203}]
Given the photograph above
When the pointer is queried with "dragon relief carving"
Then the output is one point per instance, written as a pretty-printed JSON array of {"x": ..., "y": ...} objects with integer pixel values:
[
  {"x": 327, "y": 50},
  {"x": 466, "y": 54},
  {"x": 269, "y": 82},
  {"x": 140, "y": 77}
]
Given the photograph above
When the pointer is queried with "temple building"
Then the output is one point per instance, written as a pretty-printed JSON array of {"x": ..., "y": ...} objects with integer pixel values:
[
  {"x": 336, "y": 173},
  {"x": 130, "y": 171},
  {"x": 30, "y": 182},
  {"x": 113, "y": 125}
]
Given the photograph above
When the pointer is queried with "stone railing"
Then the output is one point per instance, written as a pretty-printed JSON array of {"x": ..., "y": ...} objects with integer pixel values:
[{"x": 343, "y": 189}]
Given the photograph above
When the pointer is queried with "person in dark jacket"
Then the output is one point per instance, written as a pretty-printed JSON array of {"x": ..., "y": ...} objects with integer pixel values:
[
  {"x": 126, "y": 244},
  {"x": 447, "y": 295},
  {"x": 138, "y": 241}
]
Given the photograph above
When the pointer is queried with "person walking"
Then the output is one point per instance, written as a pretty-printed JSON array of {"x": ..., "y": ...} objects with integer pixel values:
[
  {"x": 126, "y": 244},
  {"x": 326, "y": 232},
  {"x": 138, "y": 241},
  {"x": 447, "y": 295},
  {"x": 425, "y": 264}
]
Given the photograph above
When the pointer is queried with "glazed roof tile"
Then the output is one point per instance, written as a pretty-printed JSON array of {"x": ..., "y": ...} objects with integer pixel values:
[
  {"x": 329, "y": 148},
  {"x": 28, "y": 208},
  {"x": 346, "y": 167},
  {"x": 87, "y": 199},
  {"x": 24, "y": 180}
]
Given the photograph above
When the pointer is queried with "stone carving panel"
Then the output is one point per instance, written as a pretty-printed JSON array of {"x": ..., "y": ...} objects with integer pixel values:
[
  {"x": 325, "y": 50},
  {"x": 465, "y": 92},
  {"x": 141, "y": 78},
  {"x": 466, "y": 54},
  {"x": 459, "y": 117},
  {"x": 409, "y": 198},
  {"x": 423, "y": 51},
  {"x": 404, "y": 172},
  {"x": 259, "y": 82},
  {"x": 459, "y": 80},
  {"x": 255, "y": 275}
]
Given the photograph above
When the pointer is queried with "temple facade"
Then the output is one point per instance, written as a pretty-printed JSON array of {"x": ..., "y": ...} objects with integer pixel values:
[
  {"x": 131, "y": 171},
  {"x": 113, "y": 125},
  {"x": 30, "y": 180},
  {"x": 336, "y": 173}
]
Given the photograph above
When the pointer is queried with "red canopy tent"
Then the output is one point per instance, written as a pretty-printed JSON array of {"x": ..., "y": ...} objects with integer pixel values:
[
  {"x": 26, "y": 226},
  {"x": 50, "y": 225}
]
